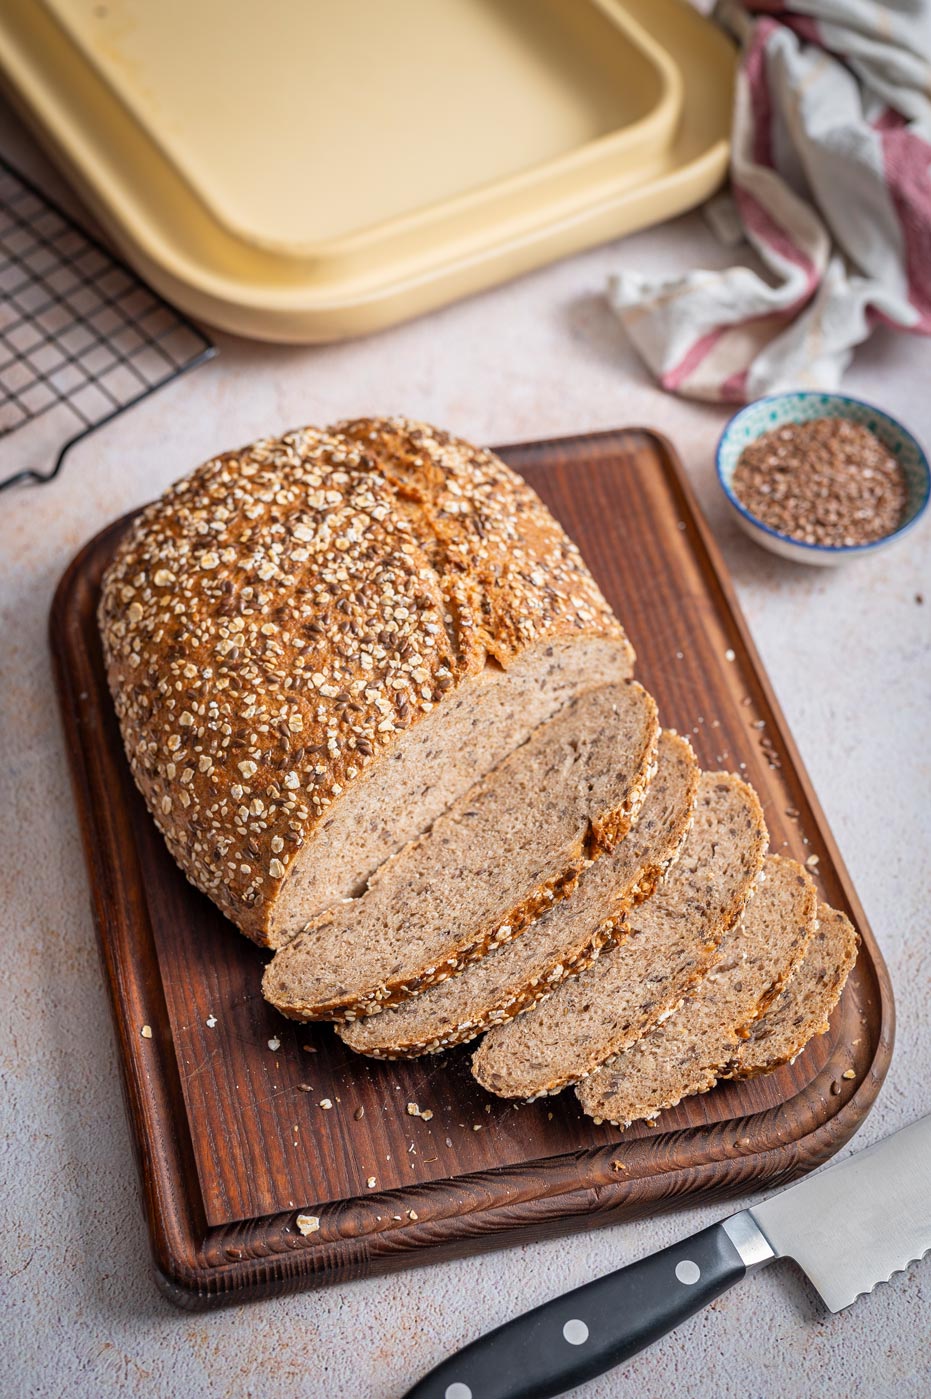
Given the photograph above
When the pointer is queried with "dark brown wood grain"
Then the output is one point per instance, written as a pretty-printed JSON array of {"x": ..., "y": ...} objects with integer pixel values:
[{"x": 231, "y": 1139}]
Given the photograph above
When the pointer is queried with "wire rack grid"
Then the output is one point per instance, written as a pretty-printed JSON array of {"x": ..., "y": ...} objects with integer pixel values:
[{"x": 81, "y": 337}]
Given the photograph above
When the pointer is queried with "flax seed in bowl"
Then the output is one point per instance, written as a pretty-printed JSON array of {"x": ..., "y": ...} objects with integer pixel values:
[{"x": 821, "y": 477}]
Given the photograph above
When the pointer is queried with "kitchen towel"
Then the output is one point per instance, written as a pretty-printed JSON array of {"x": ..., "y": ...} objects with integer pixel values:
[{"x": 831, "y": 188}]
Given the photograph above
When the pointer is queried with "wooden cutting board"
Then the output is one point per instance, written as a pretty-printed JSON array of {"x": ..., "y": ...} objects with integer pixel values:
[{"x": 225, "y": 1097}]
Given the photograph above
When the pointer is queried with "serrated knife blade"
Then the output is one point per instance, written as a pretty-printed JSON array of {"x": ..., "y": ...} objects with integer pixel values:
[
  {"x": 853, "y": 1225},
  {"x": 848, "y": 1227}
]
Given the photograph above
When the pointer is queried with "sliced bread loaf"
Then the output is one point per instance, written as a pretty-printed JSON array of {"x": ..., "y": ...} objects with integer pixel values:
[
  {"x": 516, "y": 843},
  {"x": 318, "y": 643},
  {"x": 671, "y": 943},
  {"x": 690, "y": 1050},
  {"x": 561, "y": 943},
  {"x": 803, "y": 1008}
]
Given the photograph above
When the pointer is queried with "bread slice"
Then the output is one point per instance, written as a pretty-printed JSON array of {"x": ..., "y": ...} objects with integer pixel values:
[
  {"x": 561, "y": 943},
  {"x": 515, "y": 844},
  {"x": 693, "y": 1048},
  {"x": 318, "y": 643},
  {"x": 803, "y": 1008},
  {"x": 671, "y": 943}
]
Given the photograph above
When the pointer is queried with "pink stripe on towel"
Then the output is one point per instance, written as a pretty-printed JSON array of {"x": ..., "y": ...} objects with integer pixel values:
[
  {"x": 763, "y": 226},
  {"x": 673, "y": 378},
  {"x": 907, "y": 163},
  {"x": 755, "y": 74}
]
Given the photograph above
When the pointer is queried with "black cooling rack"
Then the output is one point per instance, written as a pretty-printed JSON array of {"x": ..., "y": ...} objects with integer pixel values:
[{"x": 81, "y": 337}]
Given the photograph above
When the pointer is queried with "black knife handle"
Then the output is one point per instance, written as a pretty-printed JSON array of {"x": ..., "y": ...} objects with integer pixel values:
[{"x": 585, "y": 1332}]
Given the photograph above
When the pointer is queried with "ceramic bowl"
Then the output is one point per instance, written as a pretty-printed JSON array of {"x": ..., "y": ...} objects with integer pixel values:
[{"x": 773, "y": 412}]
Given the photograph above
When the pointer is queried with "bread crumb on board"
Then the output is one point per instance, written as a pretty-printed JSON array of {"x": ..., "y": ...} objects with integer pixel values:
[
  {"x": 308, "y": 1223},
  {"x": 146, "y": 1032},
  {"x": 274, "y": 1043}
]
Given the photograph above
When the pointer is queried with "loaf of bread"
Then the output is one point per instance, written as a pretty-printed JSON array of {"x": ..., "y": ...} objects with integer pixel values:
[
  {"x": 565, "y": 940},
  {"x": 693, "y": 1048},
  {"x": 317, "y": 644}
]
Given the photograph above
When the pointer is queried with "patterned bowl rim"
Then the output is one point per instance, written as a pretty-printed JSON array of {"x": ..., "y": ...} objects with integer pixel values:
[{"x": 833, "y": 549}]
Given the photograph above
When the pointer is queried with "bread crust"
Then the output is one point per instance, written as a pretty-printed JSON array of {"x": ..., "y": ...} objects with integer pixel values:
[{"x": 279, "y": 618}]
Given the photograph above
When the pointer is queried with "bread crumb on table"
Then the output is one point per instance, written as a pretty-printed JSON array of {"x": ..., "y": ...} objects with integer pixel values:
[
  {"x": 146, "y": 1032},
  {"x": 326, "y": 1104},
  {"x": 308, "y": 1224},
  {"x": 274, "y": 1043}
]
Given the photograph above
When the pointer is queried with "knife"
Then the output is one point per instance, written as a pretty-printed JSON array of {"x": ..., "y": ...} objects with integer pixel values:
[{"x": 848, "y": 1227}]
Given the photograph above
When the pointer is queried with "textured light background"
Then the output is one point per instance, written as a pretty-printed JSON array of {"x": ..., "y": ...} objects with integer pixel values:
[{"x": 848, "y": 653}]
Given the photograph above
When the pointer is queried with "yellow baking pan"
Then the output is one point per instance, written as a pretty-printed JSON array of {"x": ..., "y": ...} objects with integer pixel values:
[{"x": 310, "y": 171}]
